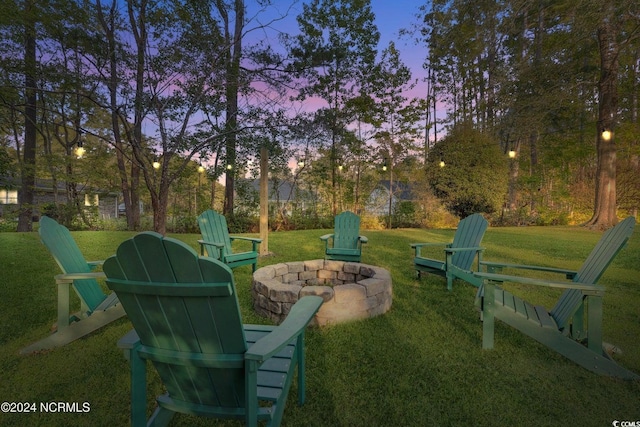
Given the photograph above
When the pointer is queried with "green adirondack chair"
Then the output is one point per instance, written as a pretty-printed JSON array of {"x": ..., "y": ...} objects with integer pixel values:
[
  {"x": 573, "y": 327},
  {"x": 217, "y": 241},
  {"x": 96, "y": 308},
  {"x": 345, "y": 243},
  {"x": 186, "y": 319},
  {"x": 458, "y": 255}
]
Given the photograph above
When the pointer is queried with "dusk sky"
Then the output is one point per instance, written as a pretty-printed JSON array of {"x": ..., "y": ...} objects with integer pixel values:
[
  {"x": 393, "y": 15},
  {"x": 390, "y": 17}
]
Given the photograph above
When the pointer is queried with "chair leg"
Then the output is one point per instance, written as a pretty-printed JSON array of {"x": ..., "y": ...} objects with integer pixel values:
[
  {"x": 301, "y": 369},
  {"x": 161, "y": 417},
  {"x": 251, "y": 390},
  {"x": 63, "y": 304},
  {"x": 488, "y": 319},
  {"x": 594, "y": 323},
  {"x": 138, "y": 388}
]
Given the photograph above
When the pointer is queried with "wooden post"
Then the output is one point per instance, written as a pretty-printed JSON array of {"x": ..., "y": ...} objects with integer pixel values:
[{"x": 264, "y": 200}]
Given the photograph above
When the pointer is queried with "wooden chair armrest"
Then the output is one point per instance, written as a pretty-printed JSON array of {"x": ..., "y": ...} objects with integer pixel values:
[
  {"x": 129, "y": 341},
  {"x": 254, "y": 241},
  {"x": 219, "y": 246},
  {"x": 586, "y": 288},
  {"x": 70, "y": 277},
  {"x": 363, "y": 239},
  {"x": 94, "y": 264},
  {"x": 453, "y": 250},
  {"x": 216, "y": 244},
  {"x": 297, "y": 320},
  {"x": 418, "y": 246},
  {"x": 250, "y": 239},
  {"x": 326, "y": 236},
  {"x": 492, "y": 267}
]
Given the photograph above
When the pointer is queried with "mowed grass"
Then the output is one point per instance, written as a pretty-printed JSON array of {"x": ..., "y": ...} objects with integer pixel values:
[{"x": 420, "y": 364}]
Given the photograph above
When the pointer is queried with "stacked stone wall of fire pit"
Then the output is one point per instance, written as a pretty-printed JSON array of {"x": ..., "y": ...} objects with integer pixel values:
[{"x": 350, "y": 290}]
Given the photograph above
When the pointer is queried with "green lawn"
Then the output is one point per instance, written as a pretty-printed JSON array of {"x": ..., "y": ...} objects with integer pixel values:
[{"x": 419, "y": 364}]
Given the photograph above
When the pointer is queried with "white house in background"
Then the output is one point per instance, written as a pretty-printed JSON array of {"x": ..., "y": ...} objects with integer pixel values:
[
  {"x": 378, "y": 202},
  {"x": 45, "y": 192},
  {"x": 284, "y": 195}
]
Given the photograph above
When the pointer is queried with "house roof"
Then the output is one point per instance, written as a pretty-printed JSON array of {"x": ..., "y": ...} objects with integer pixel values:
[
  {"x": 401, "y": 190},
  {"x": 285, "y": 190},
  {"x": 46, "y": 185}
]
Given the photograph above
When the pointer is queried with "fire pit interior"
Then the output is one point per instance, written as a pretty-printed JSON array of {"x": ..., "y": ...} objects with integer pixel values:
[{"x": 350, "y": 290}]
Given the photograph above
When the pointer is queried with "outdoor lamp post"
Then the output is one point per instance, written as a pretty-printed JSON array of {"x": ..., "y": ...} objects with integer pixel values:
[
  {"x": 606, "y": 135},
  {"x": 200, "y": 171},
  {"x": 384, "y": 169}
]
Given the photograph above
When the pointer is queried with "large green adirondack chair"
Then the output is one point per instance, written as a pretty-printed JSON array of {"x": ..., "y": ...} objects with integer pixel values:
[
  {"x": 573, "y": 327},
  {"x": 96, "y": 308},
  {"x": 217, "y": 241},
  {"x": 459, "y": 254},
  {"x": 186, "y": 319},
  {"x": 345, "y": 243}
]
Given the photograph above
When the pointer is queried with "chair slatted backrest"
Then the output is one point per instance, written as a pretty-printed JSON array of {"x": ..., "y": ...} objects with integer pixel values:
[
  {"x": 65, "y": 251},
  {"x": 185, "y": 311},
  {"x": 213, "y": 227},
  {"x": 346, "y": 230},
  {"x": 468, "y": 235},
  {"x": 611, "y": 242}
]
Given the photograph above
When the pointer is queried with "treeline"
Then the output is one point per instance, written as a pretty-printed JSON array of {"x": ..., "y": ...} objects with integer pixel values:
[{"x": 530, "y": 113}]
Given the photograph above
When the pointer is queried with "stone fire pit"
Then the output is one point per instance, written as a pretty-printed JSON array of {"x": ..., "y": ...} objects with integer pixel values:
[{"x": 350, "y": 290}]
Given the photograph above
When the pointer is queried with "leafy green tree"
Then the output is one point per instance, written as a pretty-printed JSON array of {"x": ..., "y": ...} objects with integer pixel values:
[
  {"x": 395, "y": 119},
  {"x": 474, "y": 176},
  {"x": 6, "y": 162},
  {"x": 332, "y": 55},
  {"x": 528, "y": 73}
]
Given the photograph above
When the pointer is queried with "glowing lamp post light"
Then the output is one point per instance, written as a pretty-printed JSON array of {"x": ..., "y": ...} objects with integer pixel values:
[
  {"x": 390, "y": 169},
  {"x": 195, "y": 201},
  {"x": 80, "y": 150},
  {"x": 606, "y": 135}
]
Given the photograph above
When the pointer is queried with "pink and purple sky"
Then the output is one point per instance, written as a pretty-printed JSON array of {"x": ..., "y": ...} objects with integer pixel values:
[{"x": 390, "y": 17}]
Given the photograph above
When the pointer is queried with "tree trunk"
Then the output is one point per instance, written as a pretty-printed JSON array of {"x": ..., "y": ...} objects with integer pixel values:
[
  {"x": 264, "y": 200},
  {"x": 604, "y": 213},
  {"x": 139, "y": 28},
  {"x": 533, "y": 171},
  {"x": 514, "y": 170},
  {"x": 109, "y": 28},
  {"x": 28, "y": 170},
  {"x": 160, "y": 202},
  {"x": 232, "y": 82}
]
